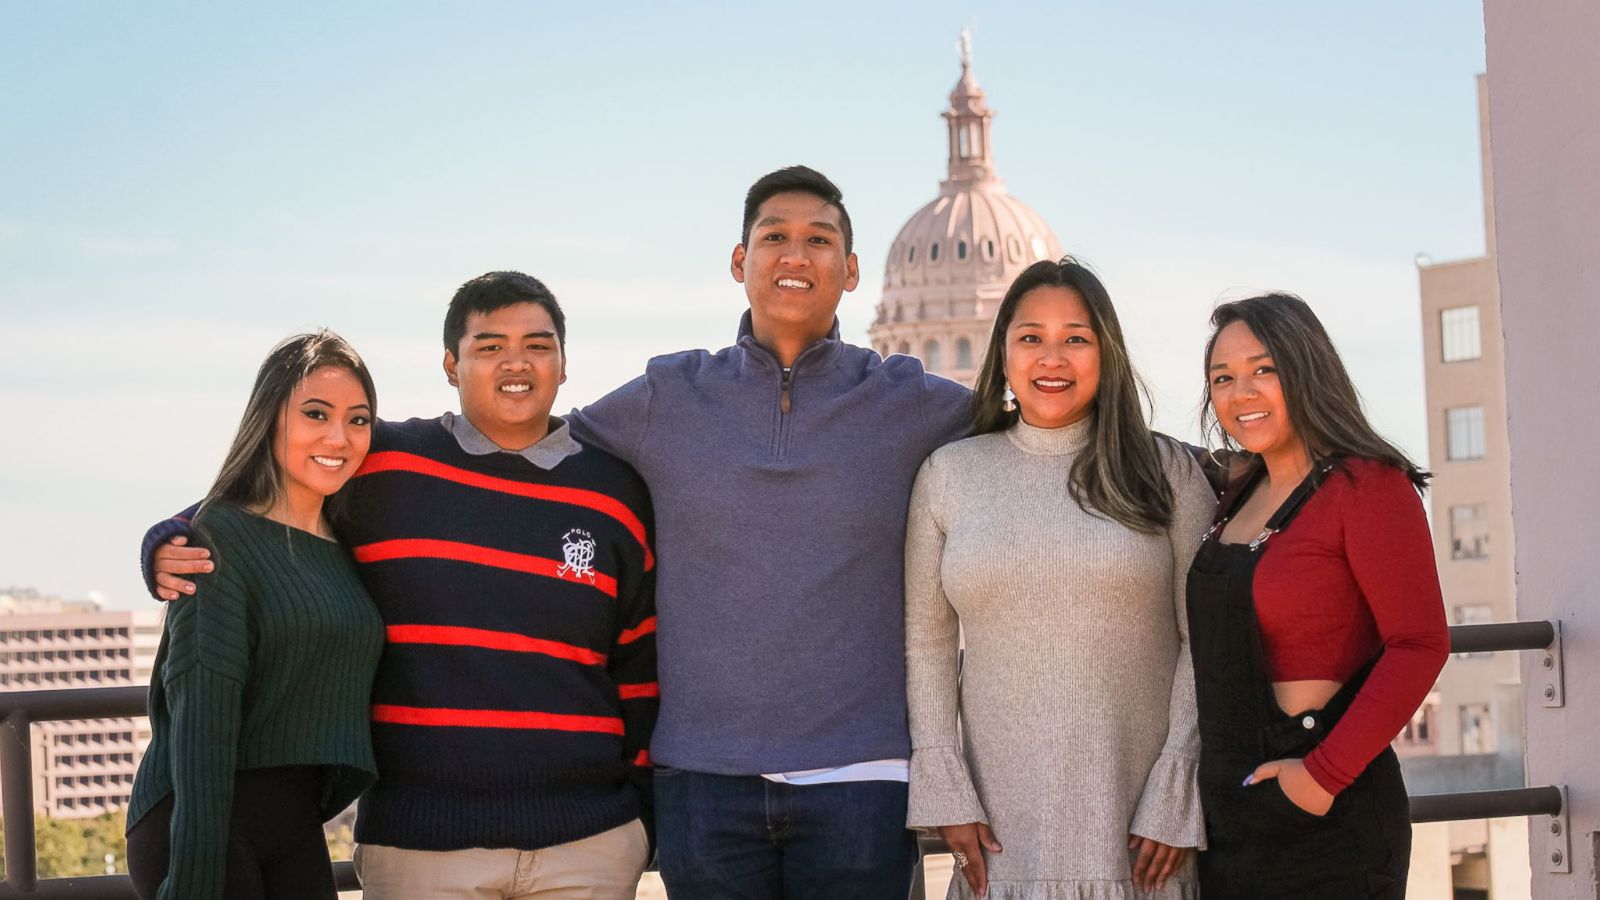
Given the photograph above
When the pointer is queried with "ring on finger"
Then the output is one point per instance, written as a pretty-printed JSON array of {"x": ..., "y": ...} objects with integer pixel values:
[{"x": 960, "y": 858}]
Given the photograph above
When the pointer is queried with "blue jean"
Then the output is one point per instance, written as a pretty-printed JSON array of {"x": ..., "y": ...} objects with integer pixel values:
[{"x": 739, "y": 837}]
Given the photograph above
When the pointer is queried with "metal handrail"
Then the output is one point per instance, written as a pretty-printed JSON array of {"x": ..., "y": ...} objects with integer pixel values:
[{"x": 20, "y": 709}]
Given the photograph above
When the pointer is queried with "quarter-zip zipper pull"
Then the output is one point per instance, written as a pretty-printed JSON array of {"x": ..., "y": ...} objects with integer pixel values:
[{"x": 783, "y": 392}]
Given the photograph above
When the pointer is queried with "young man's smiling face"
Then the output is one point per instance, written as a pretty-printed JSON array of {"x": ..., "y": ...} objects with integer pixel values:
[
  {"x": 794, "y": 265},
  {"x": 507, "y": 369}
]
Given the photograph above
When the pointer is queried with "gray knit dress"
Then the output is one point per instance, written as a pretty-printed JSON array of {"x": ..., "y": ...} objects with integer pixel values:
[{"x": 1074, "y": 722}]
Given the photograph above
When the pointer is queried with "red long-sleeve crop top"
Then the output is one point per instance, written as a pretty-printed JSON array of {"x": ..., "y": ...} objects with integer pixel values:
[{"x": 1351, "y": 577}]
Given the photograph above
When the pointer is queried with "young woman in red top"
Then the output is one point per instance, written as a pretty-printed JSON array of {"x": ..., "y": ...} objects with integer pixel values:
[{"x": 1315, "y": 617}]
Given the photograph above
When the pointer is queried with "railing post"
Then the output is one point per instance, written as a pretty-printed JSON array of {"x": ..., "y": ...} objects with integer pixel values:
[
  {"x": 16, "y": 784},
  {"x": 919, "y": 882}
]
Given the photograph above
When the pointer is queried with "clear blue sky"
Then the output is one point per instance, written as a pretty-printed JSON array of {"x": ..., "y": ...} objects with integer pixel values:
[{"x": 185, "y": 183}]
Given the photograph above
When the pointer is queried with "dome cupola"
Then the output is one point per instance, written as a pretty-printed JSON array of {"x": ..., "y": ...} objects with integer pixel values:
[{"x": 954, "y": 258}]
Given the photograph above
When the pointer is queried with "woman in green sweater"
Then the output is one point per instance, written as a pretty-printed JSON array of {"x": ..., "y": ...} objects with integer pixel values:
[{"x": 259, "y": 699}]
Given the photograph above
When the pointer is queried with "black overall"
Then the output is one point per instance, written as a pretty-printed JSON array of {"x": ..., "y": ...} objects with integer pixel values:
[{"x": 1262, "y": 846}]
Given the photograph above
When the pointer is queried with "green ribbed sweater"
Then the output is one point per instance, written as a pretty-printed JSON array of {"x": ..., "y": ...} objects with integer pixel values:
[{"x": 270, "y": 663}]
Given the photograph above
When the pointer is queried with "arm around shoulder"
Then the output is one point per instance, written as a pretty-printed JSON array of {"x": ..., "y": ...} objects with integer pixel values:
[{"x": 616, "y": 423}]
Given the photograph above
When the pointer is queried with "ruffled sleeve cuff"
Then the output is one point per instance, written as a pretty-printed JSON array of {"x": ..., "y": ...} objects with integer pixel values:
[
  {"x": 941, "y": 790},
  {"x": 1169, "y": 811}
]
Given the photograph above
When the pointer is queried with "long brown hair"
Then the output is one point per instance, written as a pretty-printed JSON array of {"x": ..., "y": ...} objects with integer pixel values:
[
  {"x": 1321, "y": 400},
  {"x": 250, "y": 476},
  {"x": 1119, "y": 474}
]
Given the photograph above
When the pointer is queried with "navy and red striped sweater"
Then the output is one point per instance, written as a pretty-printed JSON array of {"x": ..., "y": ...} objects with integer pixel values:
[{"x": 516, "y": 694}]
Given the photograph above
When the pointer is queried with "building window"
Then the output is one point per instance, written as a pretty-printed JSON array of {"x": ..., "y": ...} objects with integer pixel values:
[
  {"x": 930, "y": 356},
  {"x": 911, "y": 255},
  {"x": 1040, "y": 250},
  {"x": 1014, "y": 247},
  {"x": 905, "y": 348},
  {"x": 1464, "y": 428},
  {"x": 1417, "y": 737},
  {"x": 933, "y": 252},
  {"x": 961, "y": 250},
  {"x": 1469, "y": 531},
  {"x": 988, "y": 249},
  {"x": 1477, "y": 732},
  {"x": 963, "y": 354},
  {"x": 1461, "y": 334},
  {"x": 963, "y": 142}
]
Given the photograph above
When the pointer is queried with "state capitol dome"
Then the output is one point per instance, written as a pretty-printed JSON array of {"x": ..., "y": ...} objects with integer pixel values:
[{"x": 954, "y": 258}]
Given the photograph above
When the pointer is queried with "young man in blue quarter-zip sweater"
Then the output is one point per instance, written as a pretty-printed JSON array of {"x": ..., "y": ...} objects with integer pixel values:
[{"x": 780, "y": 470}]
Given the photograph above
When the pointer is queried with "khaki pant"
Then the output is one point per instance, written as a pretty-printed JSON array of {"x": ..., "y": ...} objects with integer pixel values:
[{"x": 605, "y": 866}]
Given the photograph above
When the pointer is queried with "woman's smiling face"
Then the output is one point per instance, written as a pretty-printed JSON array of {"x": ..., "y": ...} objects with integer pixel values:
[
  {"x": 1052, "y": 357},
  {"x": 1247, "y": 396}
]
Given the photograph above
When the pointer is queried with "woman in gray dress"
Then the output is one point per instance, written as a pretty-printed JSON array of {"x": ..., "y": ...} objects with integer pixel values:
[{"x": 1059, "y": 760}]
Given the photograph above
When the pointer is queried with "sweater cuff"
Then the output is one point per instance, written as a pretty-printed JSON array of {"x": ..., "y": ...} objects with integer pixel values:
[
  {"x": 941, "y": 790},
  {"x": 1169, "y": 809},
  {"x": 1322, "y": 774}
]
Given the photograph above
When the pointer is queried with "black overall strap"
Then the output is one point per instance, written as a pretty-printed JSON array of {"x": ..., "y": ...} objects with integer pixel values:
[{"x": 1291, "y": 507}]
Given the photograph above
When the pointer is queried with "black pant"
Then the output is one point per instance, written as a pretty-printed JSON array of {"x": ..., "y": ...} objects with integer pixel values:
[{"x": 276, "y": 850}]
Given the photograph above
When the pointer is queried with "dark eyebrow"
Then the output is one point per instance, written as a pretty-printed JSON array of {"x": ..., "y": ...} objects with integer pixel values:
[
  {"x": 539, "y": 334},
  {"x": 1041, "y": 325},
  {"x": 320, "y": 402},
  {"x": 779, "y": 220},
  {"x": 1249, "y": 359},
  {"x": 488, "y": 336}
]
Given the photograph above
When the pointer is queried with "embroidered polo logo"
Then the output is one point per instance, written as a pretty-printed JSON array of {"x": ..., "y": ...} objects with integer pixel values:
[{"x": 578, "y": 551}]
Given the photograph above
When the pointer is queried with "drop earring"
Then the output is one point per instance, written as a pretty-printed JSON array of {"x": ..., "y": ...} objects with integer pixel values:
[{"x": 1010, "y": 404}]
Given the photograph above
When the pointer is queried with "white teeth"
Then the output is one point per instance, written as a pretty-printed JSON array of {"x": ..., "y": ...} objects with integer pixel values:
[
  {"x": 1251, "y": 417},
  {"x": 793, "y": 283},
  {"x": 1043, "y": 382},
  {"x": 328, "y": 461},
  {"x": 516, "y": 388}
]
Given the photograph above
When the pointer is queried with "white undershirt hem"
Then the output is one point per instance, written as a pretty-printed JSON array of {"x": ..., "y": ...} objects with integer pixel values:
[{"x": 873, "y": 770}]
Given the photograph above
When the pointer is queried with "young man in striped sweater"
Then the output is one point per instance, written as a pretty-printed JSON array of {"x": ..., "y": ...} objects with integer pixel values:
[{"x": 513, "y": 567}]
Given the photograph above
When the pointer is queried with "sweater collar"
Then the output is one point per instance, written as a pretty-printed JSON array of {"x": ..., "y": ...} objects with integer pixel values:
[
  {"x": 819, "y": 355},
  {"x": 546, "y": 453},
  {"x": 1063, "y": 441}
]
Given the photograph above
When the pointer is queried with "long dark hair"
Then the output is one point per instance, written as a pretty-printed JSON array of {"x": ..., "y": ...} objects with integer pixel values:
[
  {"x": 1119, "y": 474},
  {"x": 250, "y": 476},
  {"x": 1321, "y": 400}
]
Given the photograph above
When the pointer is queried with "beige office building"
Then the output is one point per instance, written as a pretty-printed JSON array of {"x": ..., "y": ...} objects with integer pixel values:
[
  {"x": 86, "y": 767},
  {"x": 1472, "y": 719}
]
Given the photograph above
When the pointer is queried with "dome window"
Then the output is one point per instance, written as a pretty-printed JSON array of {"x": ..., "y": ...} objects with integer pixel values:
[
  {"x": 911, "y": 255},
  {"x": 933, "y": 252},
  {"x": 988, "y": 248},
  {"x": 1040, "y": 251},
  {"x": 964, "y": 352},
  {"x": 930, "y": 356},
  {"x": 961, "y": 250},
  {"x": 1014, "y": 247}
]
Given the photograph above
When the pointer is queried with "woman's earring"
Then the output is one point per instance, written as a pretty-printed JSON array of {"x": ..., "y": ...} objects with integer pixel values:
[{"x": 1010, "y": 404}]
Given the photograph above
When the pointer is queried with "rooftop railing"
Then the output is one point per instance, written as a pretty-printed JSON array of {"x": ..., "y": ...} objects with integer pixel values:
[{"x": 20, "y": 709}]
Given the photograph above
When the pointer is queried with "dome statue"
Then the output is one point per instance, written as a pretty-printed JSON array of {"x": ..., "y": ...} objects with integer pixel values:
[{"x": 954, "y": 258}]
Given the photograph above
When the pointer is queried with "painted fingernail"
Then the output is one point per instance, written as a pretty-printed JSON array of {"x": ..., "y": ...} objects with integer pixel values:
[{"x": 1250, "y": 779}]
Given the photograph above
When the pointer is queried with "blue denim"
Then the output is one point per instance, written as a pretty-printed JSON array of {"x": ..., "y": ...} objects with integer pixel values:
[{"x": 742, "y": 837}]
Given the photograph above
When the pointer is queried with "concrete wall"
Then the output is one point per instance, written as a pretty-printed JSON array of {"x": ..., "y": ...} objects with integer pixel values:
[{"x": 1544, "y": 109}]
